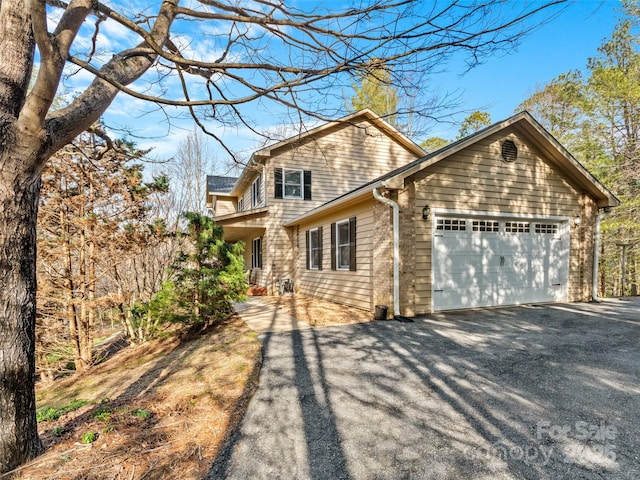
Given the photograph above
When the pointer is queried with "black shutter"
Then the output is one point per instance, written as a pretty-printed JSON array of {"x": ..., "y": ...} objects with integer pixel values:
[
  {"x": 278, "y": 176},
  {"x": 308, "y": 250},
  {"x": 307, "y": 184},
  {"x": 352, "y": 243},
  {"x": 319, "y": 248},
  {"x": 260, "y": 252},
  {"x": 333, "y": 246}
]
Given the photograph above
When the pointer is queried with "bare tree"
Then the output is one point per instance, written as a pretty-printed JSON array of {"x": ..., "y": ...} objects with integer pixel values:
[
  {"x": 255, "y": 52},
  {"x": 188, "y": 170}
]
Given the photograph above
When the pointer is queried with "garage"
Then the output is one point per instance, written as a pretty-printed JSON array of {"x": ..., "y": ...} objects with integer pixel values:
[
  {"x": 481, "y": 261},
  {"x": 505, "y": 216}
]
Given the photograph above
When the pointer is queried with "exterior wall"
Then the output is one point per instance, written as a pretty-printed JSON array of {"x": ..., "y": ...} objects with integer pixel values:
[
  {"x": 341, "y": 159},
  {"x": 224, "y": 206},
  {"x": 478, "y": 179},
  {"x": 352, "y": 288},
  {"x": 246, "y": 196},
  {"x": 382, "y": 254},
  {"x": 408, "y": 268},
  {"x": 587, "y": 233}
]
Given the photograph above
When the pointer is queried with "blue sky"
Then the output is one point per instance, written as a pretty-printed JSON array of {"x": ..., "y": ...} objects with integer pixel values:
[
  {"x": 497, "y": 86},
  {"x": 501, "y": 84}
]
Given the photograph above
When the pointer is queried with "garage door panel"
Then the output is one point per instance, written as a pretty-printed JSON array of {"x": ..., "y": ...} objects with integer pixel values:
[{"x": 505, "y": 263}]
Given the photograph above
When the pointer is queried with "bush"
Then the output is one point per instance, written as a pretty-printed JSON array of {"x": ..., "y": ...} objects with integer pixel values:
[
  {"x": 207, "y": 275},
  {"x": 53, "y": 413}
]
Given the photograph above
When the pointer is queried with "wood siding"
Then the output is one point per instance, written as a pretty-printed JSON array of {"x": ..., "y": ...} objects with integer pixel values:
[
  {"x": 224, "y": 206},
  {"x": 352, "y": 288},
  {"x": 477, "y": 179},
  {"x": 340, "y": 160}
]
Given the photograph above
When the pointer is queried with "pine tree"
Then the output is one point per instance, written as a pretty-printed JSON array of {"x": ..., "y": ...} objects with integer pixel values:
[
  {"x": 93, "y": 195},
  {"x": 207, "y": 275}
]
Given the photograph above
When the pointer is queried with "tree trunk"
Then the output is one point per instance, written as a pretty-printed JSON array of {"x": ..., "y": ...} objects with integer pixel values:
[
  {"x": 72, "y": 316},
  {"x": 91, "y": 292},
  {"x": 603, "y": 280},
  {"x": 19, "y": 192},
  {"x": 28, "y": 136}
]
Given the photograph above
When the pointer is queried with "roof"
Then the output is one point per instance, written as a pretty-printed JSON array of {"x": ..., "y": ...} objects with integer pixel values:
[
  {"x": 364, "y": 114},
  {"x": 220, "y": 184},
  {"x": 525, "y": 123},
  {"x": 359, "y": 116}
]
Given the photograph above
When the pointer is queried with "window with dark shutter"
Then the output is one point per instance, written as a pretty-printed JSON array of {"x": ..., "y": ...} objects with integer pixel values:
[
  {"x": 292, "y": 183},
  {"x": 314, "y": 249},
  {"x": 307, "y": 184},
  {"x": 343, "y": 244},
  {"x": 333, "y": 246},
  {"x": 319, "y": 248},
  {"x": 278, "y": 182},
  {"x": 308, "y": 244},
  {"x": 352, "y": 243}
]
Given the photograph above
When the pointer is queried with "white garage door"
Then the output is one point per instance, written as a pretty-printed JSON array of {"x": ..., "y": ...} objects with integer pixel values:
[{"x": 483, "y": 261}]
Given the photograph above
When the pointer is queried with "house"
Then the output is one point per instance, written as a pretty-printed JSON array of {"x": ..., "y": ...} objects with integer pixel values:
[
  {"x": 287, "y": 179},
  {"x": 504, "y": 216}
]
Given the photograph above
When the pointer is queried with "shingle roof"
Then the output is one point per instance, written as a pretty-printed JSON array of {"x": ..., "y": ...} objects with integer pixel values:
[{"x": 220, "y": 184}]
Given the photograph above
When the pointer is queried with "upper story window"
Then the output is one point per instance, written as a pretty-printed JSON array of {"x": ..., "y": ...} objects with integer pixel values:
[
  {"x": 292, "y": 183},
  {"x": 292, "y": 180},
  {"x": 241, "y": 204},
  {"x": 256, "y": 189}
]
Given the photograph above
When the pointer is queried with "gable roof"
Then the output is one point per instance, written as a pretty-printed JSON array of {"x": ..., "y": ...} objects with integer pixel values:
[
  {"x": 524, "y": 123},
  {"x": 359, "y": 116},
  {"x": 220, "y": 184}
]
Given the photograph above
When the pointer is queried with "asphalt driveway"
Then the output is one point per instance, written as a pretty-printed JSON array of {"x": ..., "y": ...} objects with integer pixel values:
[{"x": 530, "y": 392}]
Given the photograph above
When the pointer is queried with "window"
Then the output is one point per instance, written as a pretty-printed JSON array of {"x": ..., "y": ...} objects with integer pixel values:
[
  {"x": 516, "y": 227},
  {"x": 551, "y": 228},
  {"x": 314, "y": 249},
  {"x": 450, "y": 224},
  {"x": 255, "y": 192},
  {"x": 343, "y": 245},
  {"x": 290, "y": 183},
  {"x": 485, "y": 226},
  {"x": 241, "y": 204},
  {"x": 256, "y": 253}
]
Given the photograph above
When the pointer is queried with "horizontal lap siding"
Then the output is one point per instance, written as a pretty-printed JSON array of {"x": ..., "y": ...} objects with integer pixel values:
[
  {"x": 224, "y": 207},
  {"x": 340, "y": 160},
  {"x": 478, "y": 179},
  {"x": 340, "y": 286}
]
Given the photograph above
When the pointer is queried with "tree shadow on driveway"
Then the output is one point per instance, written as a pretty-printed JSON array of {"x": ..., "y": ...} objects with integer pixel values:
[{"x": 529, "y": 392}]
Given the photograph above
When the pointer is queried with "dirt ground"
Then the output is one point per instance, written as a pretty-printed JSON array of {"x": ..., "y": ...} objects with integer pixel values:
[
  {"x": 159, "y": 410},
  {"x": 318, "y": 313}
]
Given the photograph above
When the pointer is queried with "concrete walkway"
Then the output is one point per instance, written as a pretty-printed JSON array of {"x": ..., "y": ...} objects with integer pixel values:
[{"x": 266, "y": 318}]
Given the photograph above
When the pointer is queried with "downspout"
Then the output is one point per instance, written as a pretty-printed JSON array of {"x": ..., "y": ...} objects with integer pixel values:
[
  {"x": 596, "y": 255},
  {"x": 396, "y": 248}
]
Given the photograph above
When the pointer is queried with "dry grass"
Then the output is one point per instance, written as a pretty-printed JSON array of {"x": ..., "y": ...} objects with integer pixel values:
[
  {"x": 161, "y": 410},
  {"x": 319, "y": 313}
]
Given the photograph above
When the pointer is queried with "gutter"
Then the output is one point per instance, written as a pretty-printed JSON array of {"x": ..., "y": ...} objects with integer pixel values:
[
  {"x": 596, "y": 255},
  {"x": 396, "y": 249},
  {"x": 336, "y": 202}
]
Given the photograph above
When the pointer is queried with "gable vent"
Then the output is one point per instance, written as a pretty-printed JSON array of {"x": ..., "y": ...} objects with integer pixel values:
[{"x": 509, "y": 151}]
